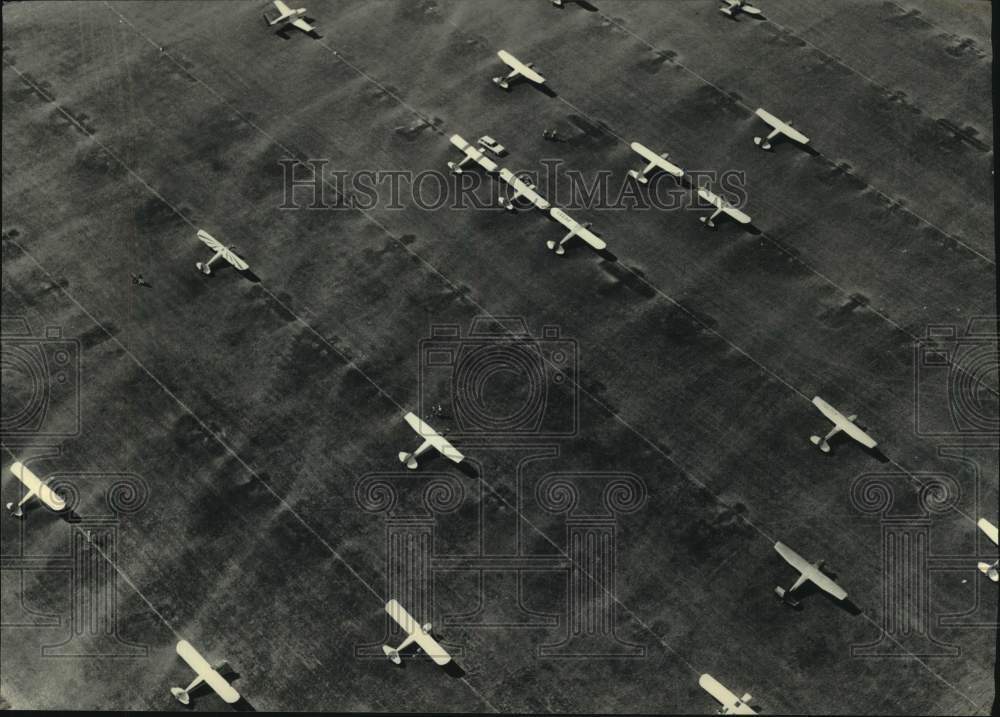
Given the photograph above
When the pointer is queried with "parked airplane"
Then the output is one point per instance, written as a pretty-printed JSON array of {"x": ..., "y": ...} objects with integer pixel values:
[
  {"x": 286, "y": 13},
  {"x": 517, "y": 68},
  {"x": 432, "y": 439},
  {"x": 735, "y": 7},
  {"x": 472, "y": 154},
  {"x": 809, "y": 571},
  {"x": 36, "y": 488},
  {"x": 779, "y": 127},
  {"x": 205, "y": 673},
  {"x": 721, "y": 207},
  {"x": 221, "y": 252},
  {"x": 656, "y": 161},
  {"x": 417, "y": 633},
  {"x": 731, "y": 704},
  {"x": 840, "y": 423},
  {"x": 522, "y": 188},
  {"x": 987, "y": 569},
  {"x": 575, "y": 229}
]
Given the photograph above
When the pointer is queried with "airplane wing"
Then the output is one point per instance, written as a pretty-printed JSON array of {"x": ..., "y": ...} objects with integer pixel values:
[
  {"x": 472, "y": 153},
  {"x": 841, "y": 422},
  {"x": 206, "y": 672},
  {"x": 515, "y": 64},
  {"x": 578, "y": 229},
  {"x": 656, "y": 159},
  {"x": 988, "y": 528},
  {"x": 35, "y": 487},
  {"x": 434, "y": 438},
  {"x": 793, "y": 558},
  {"x": 781, "y": 126},
  {"x": 405, "y": 620},
  {"x": 302, "y": 25},
  {"x": 731, "y": 704},
  {"x": 218, "y": 246},
  {"x": 811, "y": 573},
  {"x": 719, "y": 203},
  {"x": 210, "y": 241},
  {"x": 523, "y": 189},
  {"x": 433, "y": 649},
  {"x": 769, "y": 118},
  {"x": 281, "y": 7}
]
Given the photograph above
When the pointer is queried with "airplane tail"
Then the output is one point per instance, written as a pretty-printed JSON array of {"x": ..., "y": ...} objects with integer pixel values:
[
  {"x": 409, "y": 460},
  {"x": 181, "y": 695},
  {"x": 990, "y": 571},
  {"x": 785, "y": 597},
  {"x": 392, "y": 655},
  {"x": 16, "y": 512},
  {"x": 823, "y": 445}
]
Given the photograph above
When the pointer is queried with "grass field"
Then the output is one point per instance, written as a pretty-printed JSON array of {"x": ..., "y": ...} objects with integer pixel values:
[{"x": 246, "y": 416}]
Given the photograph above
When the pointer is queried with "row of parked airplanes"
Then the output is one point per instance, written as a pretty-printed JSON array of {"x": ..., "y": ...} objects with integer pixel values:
[
  {"x": 420, "y": 634},
  {"x": 297, "y": 17}
]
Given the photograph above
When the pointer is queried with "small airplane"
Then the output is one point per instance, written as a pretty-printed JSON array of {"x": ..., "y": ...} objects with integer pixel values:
[
  {"x": 522, "y": 188},
  {"x": 221, "y": 252},
  {"x": 517, "y": 68},
  {"x": 420, "y": 634},
  {"x": 205, "y": 673},
  {"x": 432, "y": 439},
  {"x": 731, "y": 704},
  {"x": 779, "y": 127},
  {"x": 35, "y": 487},
  {"x": 840, "y": 423},
  {"x": 735, "y": 7},
  {"x": 809, "y": 572},
  {"x": 575, "y": 229},
  {"x": 472, "y": 154},
  {"x": 985, "y": 568},
  {"x": 721, "y": 207},
  {"x": 287, "y": 13},
  {"x": 656, "y": 161}
]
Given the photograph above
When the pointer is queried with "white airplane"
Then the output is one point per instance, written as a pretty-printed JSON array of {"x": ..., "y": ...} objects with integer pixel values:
[
  {"x": 721, "y": 207},
  {"x": 575, "y": 229},
  {"x": 287, "y": 13},
  {"x": 734, "y": 7},
  {"x": 35, "y": 488},
  {"x": 417, "y": 633},
  {"x": 731, "y": 704},
  {"x": 472, "y": 154},
  {"x": 987, "y": 569},
  {"x": 221, "y": 252},
  {"x": 809, "y": 572},
  {"x": 779, "y": 127},
  {"x": 656, "y": 161},
  {"x": 517, "y": 68},
  {"x": 840, "y": 423},
  {"x": 432, "y": 439},
  {"x": 522, "y": 188},
  {"x": 205, "y": 673}
]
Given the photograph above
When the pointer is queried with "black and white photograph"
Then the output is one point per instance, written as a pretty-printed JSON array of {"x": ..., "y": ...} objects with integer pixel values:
[{"x": 584, "y": 357}]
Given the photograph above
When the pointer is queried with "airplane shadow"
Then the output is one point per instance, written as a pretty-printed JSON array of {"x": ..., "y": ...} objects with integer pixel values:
[
  {"x": 452, "y": 669},
  {"x": 249, "y": 276},
  {"x": 842, "y": 438},
  {"x": 231, "y": 675},
  {"x": 468, "y": 469},
  {"x": 286, "y": 30},
  {"x": 781, "y": 140},
  {"x": 582, "y": 3},
  {"x": 809, "y": 589},
  {"x": 545, "y": 90}
]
